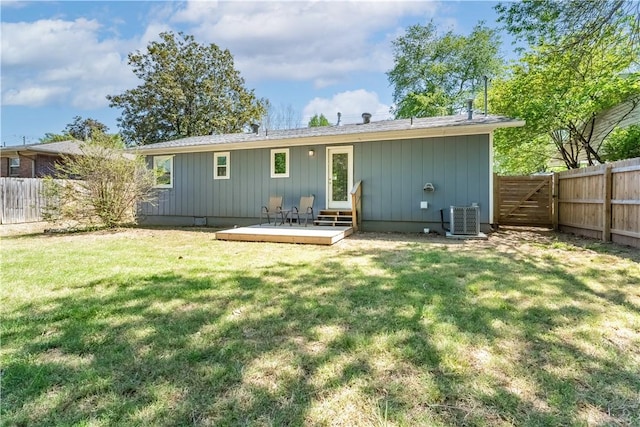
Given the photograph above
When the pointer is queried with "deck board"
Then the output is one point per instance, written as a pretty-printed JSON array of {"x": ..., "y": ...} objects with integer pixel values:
[{"x": 311, "y": 235}]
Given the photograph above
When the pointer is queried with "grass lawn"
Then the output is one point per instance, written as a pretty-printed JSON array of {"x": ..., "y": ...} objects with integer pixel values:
[{"x": 172, "y": 327}]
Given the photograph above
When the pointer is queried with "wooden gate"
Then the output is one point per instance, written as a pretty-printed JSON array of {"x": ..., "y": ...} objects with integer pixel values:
[{"x": 523, "y": 200}]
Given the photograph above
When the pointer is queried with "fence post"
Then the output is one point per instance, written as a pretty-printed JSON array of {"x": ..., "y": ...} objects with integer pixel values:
[
  {"x": 555, "y": 189},
  {"x": 606, "y": 203}
]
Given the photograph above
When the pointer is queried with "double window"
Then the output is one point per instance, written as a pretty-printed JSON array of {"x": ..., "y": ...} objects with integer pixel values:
[{"x": 163, "y": 167}]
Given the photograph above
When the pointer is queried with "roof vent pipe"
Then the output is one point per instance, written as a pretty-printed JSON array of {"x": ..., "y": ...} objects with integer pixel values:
[
  {"x": 255, "y": 127},
  {"x": 366, "y": 118},
  {"x": 470, "y": 109},
  {"x": 339, "y": 117}
]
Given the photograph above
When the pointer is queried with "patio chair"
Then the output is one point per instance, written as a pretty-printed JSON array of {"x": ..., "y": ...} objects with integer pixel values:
[
  {"x": 305, "y": 208},
  {"x": 273, "y": 208}
]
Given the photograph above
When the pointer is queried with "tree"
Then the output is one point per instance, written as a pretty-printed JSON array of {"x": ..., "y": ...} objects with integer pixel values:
[
  {"x": 107, "y": 188},
  {"x": 282, "y": 117},
  {"x": 623, "y": 144},
  {"x": 560, "y": 93},
  {"x": 54, "y": 137},
  {"x": 574, "y": 25},
  {"x": 529, "y": 156},
  {"x": 317, "y": 121},
  {"x": 187, "y": 89},
  {"x": 83, "y": 129},
  {"x": 434, "y": 74}
]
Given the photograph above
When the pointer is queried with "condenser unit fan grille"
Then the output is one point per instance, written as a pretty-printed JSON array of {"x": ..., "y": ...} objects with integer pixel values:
[{"x": 465, "y": 220}]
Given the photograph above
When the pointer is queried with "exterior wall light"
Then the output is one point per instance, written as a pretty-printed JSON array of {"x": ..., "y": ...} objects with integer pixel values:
[{"x": 312, "y": 153}]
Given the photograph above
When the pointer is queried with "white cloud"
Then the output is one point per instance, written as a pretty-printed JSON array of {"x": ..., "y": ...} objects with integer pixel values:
[
  {"x": 351, "y": 104},
  {"x": 33, "y": 95},
  {"x": 320, "y": 41},
  {"x": 324, "y": 42},
  {"x": 57, "y": 61}
]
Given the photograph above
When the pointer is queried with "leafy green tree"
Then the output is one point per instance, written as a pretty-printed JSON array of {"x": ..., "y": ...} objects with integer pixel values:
[
  {"x": 531, "y": 155},
  {"x": 317, "y": 121},
  {"x": 435, "y": 73},
  {"x": 106, "y": 188},
  {"x": 83, "y": 129},
  {"x": 187, "y": 89},
  {"x": 575, "y": 25},
  {"x": 55, "y": 137},
  {"x": 624, "y": 143},
  {"x": 560, "y": 94}
]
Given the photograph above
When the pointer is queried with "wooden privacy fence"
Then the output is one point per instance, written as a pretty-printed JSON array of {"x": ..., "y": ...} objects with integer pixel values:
[
  {"x": 523, "y": 200},
  {"x": 21, "y": 200},
  {"x": 601, "y": 202}
]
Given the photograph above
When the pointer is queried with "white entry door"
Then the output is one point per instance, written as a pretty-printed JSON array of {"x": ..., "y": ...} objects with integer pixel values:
[{"x": 339, "y": 177}]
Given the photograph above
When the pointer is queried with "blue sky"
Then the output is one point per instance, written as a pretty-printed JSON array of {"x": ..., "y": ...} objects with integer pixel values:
[{"x": 61, "y": 58}]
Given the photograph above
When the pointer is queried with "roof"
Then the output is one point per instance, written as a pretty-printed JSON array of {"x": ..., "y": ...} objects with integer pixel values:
[
  {"x": 71, "y": 147},
  {"x": 373, "y": 131},
  {"x": 61, "y": 148}
]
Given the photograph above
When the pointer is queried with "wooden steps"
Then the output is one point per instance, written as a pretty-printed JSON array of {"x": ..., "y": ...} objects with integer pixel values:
[{"x": 333, "y": 218}]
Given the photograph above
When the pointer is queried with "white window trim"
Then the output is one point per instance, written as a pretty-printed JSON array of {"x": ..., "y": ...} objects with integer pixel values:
[
  {"x": 273, "y": 163},
  {"x": 158, "y": 159},
  {"x": 227, "y": 166}
]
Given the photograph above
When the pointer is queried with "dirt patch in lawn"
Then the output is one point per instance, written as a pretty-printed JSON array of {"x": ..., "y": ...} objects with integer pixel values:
[{"x": 533, "y": 241}]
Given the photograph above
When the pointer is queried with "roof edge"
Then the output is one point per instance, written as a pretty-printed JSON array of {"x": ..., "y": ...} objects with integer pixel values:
[{"x": 380, "y": 135}]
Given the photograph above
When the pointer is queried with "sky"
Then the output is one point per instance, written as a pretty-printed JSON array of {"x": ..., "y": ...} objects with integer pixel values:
[{"x": 60, "y": 59}]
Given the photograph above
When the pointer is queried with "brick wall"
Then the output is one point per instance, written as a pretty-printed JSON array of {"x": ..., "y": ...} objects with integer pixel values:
[{"x": 25, "y": 170}]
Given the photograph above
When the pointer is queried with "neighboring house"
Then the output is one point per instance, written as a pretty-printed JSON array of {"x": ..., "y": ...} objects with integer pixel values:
[
  {"x": 35, "y": 160},
  {"x": 622, "y": 115},
  {"x": 600, "y": 127},
  {"x": 225, "y": 179}
]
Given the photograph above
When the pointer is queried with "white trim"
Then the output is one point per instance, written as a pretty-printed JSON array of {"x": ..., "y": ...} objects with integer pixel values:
[
  {"x": 227, "y": 166},
  {"x": 348, "y": 149},
  {"x": 273, "y": 162},
  {"x": 491, "y": 178},
  {"x": 158, "y": 159}
]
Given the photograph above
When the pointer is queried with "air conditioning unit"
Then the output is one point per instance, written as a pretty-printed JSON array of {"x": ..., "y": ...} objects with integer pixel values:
[{"x": 465, "y": 220}]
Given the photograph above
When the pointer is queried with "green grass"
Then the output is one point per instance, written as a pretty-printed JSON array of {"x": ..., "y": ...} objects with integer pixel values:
[{"x": 172, "y": 327}]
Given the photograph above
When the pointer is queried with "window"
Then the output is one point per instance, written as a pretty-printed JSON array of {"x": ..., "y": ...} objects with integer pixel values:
[
  {"x": 221, "y": 166},
  {"x": 163, "y": 165},
  {"x": 14, "y": 166},
  {"x": 280, "y": 163}
]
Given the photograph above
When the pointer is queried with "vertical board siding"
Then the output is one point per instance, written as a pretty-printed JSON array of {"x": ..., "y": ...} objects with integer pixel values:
[
  {"x": 393, "y": 174},
  {"x": 195, "y": 192}
]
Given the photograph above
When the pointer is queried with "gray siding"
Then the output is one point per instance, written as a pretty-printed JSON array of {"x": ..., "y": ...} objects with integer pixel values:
[
  {"x": 393, "y": 174},
  {"x": 196, "y": 194}
]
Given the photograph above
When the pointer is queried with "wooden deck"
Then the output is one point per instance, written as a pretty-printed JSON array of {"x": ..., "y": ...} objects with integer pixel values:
[{"x": 311, "y": 235}]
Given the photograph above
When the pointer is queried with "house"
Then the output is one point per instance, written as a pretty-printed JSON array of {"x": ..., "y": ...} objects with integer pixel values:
[
  {"x": 408, "y": 171},
  {"x": 599, "y": 127},
  {"x": 35, "y": 160}
]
